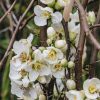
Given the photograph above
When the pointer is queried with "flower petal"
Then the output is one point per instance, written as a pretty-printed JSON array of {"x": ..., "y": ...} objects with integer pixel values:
[
  {"x": 40, "y": 21},
  {"x": 56, "y": 17}
]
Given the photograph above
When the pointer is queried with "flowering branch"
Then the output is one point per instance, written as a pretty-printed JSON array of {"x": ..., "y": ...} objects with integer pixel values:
[{"x": 15, "y": 32}]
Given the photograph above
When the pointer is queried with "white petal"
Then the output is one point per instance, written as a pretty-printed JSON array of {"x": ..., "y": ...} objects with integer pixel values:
[
  {"x": 38, "y": 55},
  {"x": 56, "y": 17},
  {"x": 25, "y": 81},
  {"x": 15, "y": 89},
  {"x": 20, "y": 47},
  {"x": 45, "y": 71},
  {"x": 38, "y": 10},
  {"x": 33, "y": 94},
  {"x": 30, "y": 38},
  {"x": 14, "y": 74},
  {"x": 40, "y": 21},
  {"x": 33, "y": 75},
  {"x": 59, "y": 74}
]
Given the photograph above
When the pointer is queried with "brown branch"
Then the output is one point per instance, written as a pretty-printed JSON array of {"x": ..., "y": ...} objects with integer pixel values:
[
  {"x": 2, "y": 18},
  {"x": 84, "y": 3},
  {"x": 87, "y": 32},
  {"x": 86, "y": 27},
  {"x": 43, "y": 31},
  {"x": 95, "y": 26},
  {"x": 94, "y": 50},
  {"x": 15, "y": 32},
  {"x": 78, "y": 58}
]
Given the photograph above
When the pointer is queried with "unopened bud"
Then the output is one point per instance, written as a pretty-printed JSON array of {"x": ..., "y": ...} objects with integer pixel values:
[
  {"x": 71, "y": 84},
  {"x": 71, "y": 64}
]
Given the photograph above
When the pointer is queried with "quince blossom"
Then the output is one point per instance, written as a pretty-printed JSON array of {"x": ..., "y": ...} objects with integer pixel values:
[{"x": 44, "y": 13}]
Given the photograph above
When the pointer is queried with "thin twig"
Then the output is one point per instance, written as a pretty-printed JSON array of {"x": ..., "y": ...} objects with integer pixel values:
[
  {"x": 4, "y": 30},
  {"x": 84, "y": 3},
  {"x": 26, "y": 21},
  {"x": 2, "y": 18},
  {"x": 15, "y": 32},
  {"x": 95, "y": 26}
]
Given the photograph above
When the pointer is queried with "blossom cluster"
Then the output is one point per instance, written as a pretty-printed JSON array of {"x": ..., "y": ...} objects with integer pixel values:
[{"x": 31, "y": 68}]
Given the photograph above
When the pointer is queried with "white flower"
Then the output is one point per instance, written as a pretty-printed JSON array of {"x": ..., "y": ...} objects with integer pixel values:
[
  {"x": 42, "y": 14},
  {"x": 32, "y": 92},
  {"x": 60, "y": 43},
  {"x": 58, "y": 71},
  {"x": 91, "y": 17},
  {"x": 51, "y": 33},
  {"x": 92, "y": 88},
  {"x": 74, "y": 95},
  {"x": 52, "y": 55},
  {"x": 22, "y": 74},
  {"x": 40, "y": 67},
  {"x": 48, "y": 2},
  {"x": 71, "y": 85},
  {"x": 23, "y": 46}
]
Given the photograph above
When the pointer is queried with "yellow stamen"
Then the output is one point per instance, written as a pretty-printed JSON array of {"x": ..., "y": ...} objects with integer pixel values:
[
  {"x": 52, "y": 55},
  {"x": 58, "y": 67},
  {"x": 23, "y": 72},
  {"x": 37, "y": 66},
  {"x": 92, "y": 88},
  {"x": 46, "y": 14}
]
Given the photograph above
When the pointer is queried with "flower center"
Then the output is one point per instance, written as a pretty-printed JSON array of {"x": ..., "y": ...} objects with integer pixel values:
[
  {"x": 58, "y": 67},
  {"x": 24, "y": 57},
  {"x": 92, "y": 89},
  {"x": 46, "y": 14},
  {"x": 37, "y": 66},
  {"x": 75, "y": 98},
  {"x": 52, "y": 55},
  {"x": 23, "y": 72}
]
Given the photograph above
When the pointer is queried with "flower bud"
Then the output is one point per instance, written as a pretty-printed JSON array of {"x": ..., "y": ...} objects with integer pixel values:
[
  {"x": 72, "y": 36},
  {"x": 58, "y": 6},
  {"x": 51, "y": 4},
  {"x": 42, "y": 97},
  {"x": 71, "y": 85},
  {"x": 71, "y": 64},
  {"x": 64, "y": 62},
  {"x": 48, "y": 2},
  {"x": 49, "y": 41},
  {"x": 42, "y": 48},
  {"x": 60, "y": 43},
  {"x": 91, "y": 17},
  {"x": 64, "y": 49},
  {"x": 51, "y": 32},
  {"x": 42, "y": 79}
]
